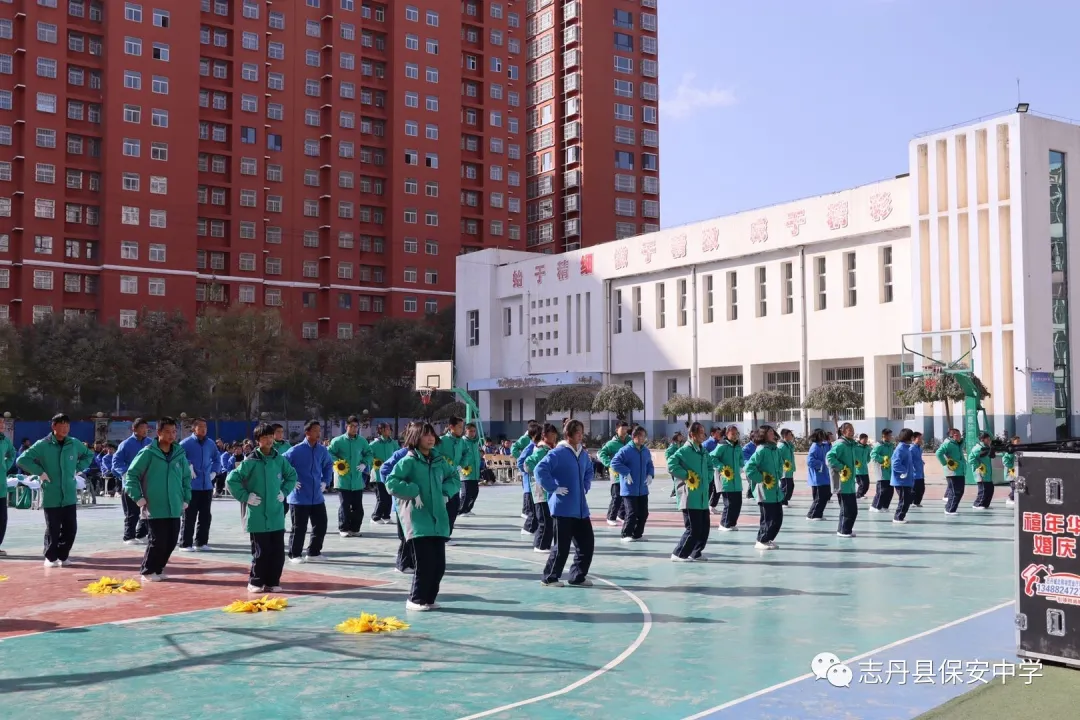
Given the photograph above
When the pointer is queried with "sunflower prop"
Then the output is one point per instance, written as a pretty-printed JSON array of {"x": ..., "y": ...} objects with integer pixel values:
[
  {"x": 952, "y": 464},
  {"x": 787, "y": 466},
  {"x": 693, "y": 481},
  {"x": 982, "y": 469},
  {"x": 263, "y": 604},
  {"x": 845, "y": 474},
  {"x": 112, "y": 586},
  {"x": 371, "y": 623},
  {"x": 341, "y": 467},
  {"x": 466, "y": 471},
  {"x": 858, "y": 464},
  {"x": 376, "y": 465},
  {"x": 727, "y": 473},
  {"x": 886, "y": 463},
  {"x": 614, "y": 475},
  {"x": 1012, "y": 472},
  {"x": 768, "y": 481}
]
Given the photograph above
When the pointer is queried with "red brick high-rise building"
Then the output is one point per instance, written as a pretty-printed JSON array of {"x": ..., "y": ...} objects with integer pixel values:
[{"x": 326, "y": 157}]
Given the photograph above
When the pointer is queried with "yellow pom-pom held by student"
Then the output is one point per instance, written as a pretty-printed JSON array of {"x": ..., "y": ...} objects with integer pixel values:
[
  {"x": 727, "y": 473},
  {"x": 982, "y": 469},
  {"x": 952, "y": 464},
  {"x": 263, "y": 604},
  {"x": 341, "y": 467},
  {"x": 692, "y": 480},
  {"x": 371, "y": 623},
  {"x": 112, "y": 586},
  {"x": 845, "y": 474},
  {"x": 768, "y": 481}
]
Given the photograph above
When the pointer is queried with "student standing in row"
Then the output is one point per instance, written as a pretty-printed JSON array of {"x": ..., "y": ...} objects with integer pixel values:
[
  {"x": 202, "y": 456},
  {"x": 903, "y": 475},
  {"x": 951, "y": 457},
  {"x": 763, "y": 471},
  {"x": 818, "y": 476},
  {"x": 260, "y": 485},
  {"x": 881, "y": 455},
  {"x": 55, "y": 460},
  {"x": 716, "y": 436},
  {"x": 159, "y": 483},
  {"x": 515, "y": 451},
  {"x": 862, "y": 466},
  {"x": 7, "y": 457},
  {"x": 981, "y": 461},
  {"x": 616, "y": 511},
  {"x": 635, "y": 467},
  {"x": 692, "y": 467},
  {"x": 748, "y": 452},
  {"x": 545, "y": 527},
  {"x": 843, "y": 459},
  {"x": 354, "y": 450},
  {"x": 566, "y": 475},
  {"x": 451, "y": 447},
  {"x": 528, "y": 481},
  {"x": 422, "y": 481},
  {"x": 471, "y": 465},
  {"x": 919, "y": 468},
  {"x": 405, "y": 563},
  {"x": 1008, "y": 462},
  {"x": 382, "y": 449},
  {"x": 135, "y": 528},
  {"x": 314, "y": 471},
  {"x": 676, "y": 443},
  {"x": 727, "y": 464},
  {"x": 787, "y": 454}
]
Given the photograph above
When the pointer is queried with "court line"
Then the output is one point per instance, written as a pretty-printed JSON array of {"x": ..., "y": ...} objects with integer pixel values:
[
  {"x": 871, "y": 653},
  {"x": 646, "y": 628}
]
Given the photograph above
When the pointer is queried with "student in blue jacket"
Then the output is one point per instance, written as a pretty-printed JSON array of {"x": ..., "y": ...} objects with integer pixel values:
[
  {"x": 536, "y": 435},
  {"x": 817, "y": 475},
  {"x": 314, "y": 470},
  {"x": 635, "y": 467},
  {"x": 202, "y": 455},
  {"x": 405, "y": 562},
  {"x": 903, "y": 474},
  {"x": 919, "y": 470},
  {"x": 748, "y": 451},
  {"x": 566, "y": 474},
  {"x": 105, "y": 462},
  {"x": 135, "y": 527}
]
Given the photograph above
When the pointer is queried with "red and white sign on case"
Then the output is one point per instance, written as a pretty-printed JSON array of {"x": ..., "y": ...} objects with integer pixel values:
[
  {"x": 540, "y": 272},
  {"x": 759, "y": 231},
  {"x": 880, "y": 206},
  {"x": 562, "y": 270},
  {"x": 622, "y": 258},
  {"x": 648, "y": 249},
  {"x": 678, "y": 246},
  {"x": 710, "y": 239},
  {"x": 838, "y": 215},
  {"x": 586, "y": 264},
  {"x": 519, "y": 279},
  {"x": 796, "y": 220},
  {"x": 1050, "y": 532}
]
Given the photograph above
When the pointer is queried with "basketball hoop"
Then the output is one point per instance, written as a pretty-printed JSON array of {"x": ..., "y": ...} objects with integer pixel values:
[
  {"x": 425, "y": 395},
  {"x": 933, "y": 378}
]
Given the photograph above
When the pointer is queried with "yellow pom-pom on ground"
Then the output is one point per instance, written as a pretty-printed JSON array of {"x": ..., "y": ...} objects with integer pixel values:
[
  {"x": 371, "y": 623},
  {"x": 263, "y": 604},
  {"x": 112, "y": 586}
]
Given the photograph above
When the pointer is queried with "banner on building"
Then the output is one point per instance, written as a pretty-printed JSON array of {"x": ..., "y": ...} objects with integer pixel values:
[{"x": 1042, "y": 393}]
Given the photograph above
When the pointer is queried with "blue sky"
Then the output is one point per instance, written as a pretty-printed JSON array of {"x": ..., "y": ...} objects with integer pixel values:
[{"x": 764, "y": 101}]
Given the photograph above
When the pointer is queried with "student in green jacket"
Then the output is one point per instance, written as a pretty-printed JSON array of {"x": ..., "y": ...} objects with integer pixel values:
[
  {"x": 545, "y": 526},
  {"x": 1008, "y": 461},
  {"x": 451, "y": 448},
  {"x": 55, "y": 460},
  {"x": 281, "y": 445},
  {"x": 382, "y": 449},
  {"x": 260, "y": 484},
  {"x": 764, "y": 470},
  {"x": 727, "y": 463},
  {"x": 881, "y": 456},
  {"x": 980, "y": 459},
  {"x": 786, "y": 446},
  {"x": 471, "y": 463},
  {"x": 951, "y": 457},
  {"x": 515, "y": 453},
  {"x": 862, "y": 466},
  {"x": 677, "y": 441},
  {"x": 422, "y": 482},
  {"x": 352, "y": 457},
  {"x": 616, "y": 512},
  {"x": 7, "y": 457},
  {"x": 843, "y": 459},
  {"x": 159, "y": 481},
  {"x": 692, "y": 469}
]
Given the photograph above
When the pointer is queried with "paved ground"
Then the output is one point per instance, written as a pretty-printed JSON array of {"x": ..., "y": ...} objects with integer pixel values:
[{"x": 730, "y": 638}]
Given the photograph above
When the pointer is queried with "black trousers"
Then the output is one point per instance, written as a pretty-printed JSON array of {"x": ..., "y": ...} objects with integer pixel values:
[
  {"x": 732, "y": 508},
  {"x": 161, "y": 541},
  {"x": 1012, "y": 496},
  {"x": 526, "y": 497},
  {"x": 772, "y": 517},
  {"x": 430, "y": 556},
  {"x": 351, "y": 512},
  {"x": 453, "y": 505},
  {"x": 862, "y": 485},
  {"x": 615, "y": 510},
  {"x": 918, "y": 491},
  {"x": 637, "y": 512},
  {"x": 822, "y": 494},
  {"x": 884, "y": 495},
  {"x": 788, "y": 486},
  {"x": 954, "y": 492},
  {"x": 695, "y": 535},
  {"x": 134, "y": 523},
  {"x": 219, "y": 483},
  {"x": 530, "y": 514},
  {"x": 570, "y": 531},
  {"x": 383, "y": 503},
  {"x": 849, "y": 510},
  {"x": 714, "y": 495},
  {"x": 301, "y": 515},
  {"x": 904, "y": 498},
  {"x": 405, "y": 559},
  {"x": 196, "y": 526},
  {"x": 3, "y": 516},
  {"x": 984, "y": 495},
  {"x": 61, "y": 526},
  {"x": 545, "y": 528},
  {"x": 113, "y": 484},
  {"x": 470, "y": 490},
  {"x": 267, "y": 558}
]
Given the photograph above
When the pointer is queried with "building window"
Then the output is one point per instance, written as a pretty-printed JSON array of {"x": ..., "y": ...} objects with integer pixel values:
[
  {"x": 681, "y": 299},
  {"x": 129, "y": 284},
  {"x": 733, "y": 295},
  {"x": 410, "y": 305},
  {"x": 787, "y": 288},
  {"x": 726, "y": 387},
  {"x": 820, "y": 298},
  {"x": 661, "y": 306},
  {"x": 898, "y": 383},
  {"x": 707, "y": 298},
  {"x": 762, "y": 288},
  {"x": 886, "y": 274},
  {"x": 472, "y": 319},
  {"x": 786, "y": 382},
  {"x": 636, "y": 299},
  {"x": 850, "y": 295}
]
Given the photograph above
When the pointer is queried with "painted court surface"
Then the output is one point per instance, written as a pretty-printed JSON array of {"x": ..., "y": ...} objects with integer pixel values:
[{"x": 733, "y": 637}]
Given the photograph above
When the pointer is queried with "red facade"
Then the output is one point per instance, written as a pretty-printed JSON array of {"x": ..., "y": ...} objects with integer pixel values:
[{"x": 330, "y": 158}]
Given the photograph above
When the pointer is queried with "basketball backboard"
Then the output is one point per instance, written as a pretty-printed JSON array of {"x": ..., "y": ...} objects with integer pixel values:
[
  {"x": 946, "y": 350},
  {"x": 435, "y": 375}
]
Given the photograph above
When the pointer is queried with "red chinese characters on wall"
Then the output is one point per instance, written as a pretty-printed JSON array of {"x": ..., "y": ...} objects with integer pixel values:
[
  {"x": 648, "y": 249},
  {"x": 562, "y": 270},
  {"x": 540, "y": 272},
  {"x": 518, "y": 278},
  {"x": 678, "y": 246},
  {"x": 881, "y": 206},
  {"x": 795, "y": 220},
  {"x": 585, "y": 267},
  {"x": 759, "y": 231},
  {"x": 1050, "y": 533},
  {"x": 710, "y": 239},
  {"x": 622, "y": 258},
  {"x": 838, "y": 215}
]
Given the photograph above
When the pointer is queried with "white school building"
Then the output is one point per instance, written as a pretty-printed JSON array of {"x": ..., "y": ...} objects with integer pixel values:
[{"x": 971, "y": 242}]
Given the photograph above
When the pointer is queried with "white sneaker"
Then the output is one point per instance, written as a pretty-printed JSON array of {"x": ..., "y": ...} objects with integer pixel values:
[
  {"x": 131, "y": 542},
  {"x": 613, "y": 523},
  {"x": 586, "y": 583},
  {"x": 150, "y": 578},
  {"x": 255, "y": 588},
  {"x": 876, "y": 510},
  {"x": 772, "y": 545},
  {"x": 52, "y": 564},
  {"x": 810, "y": 519},
  {"x": 538, "y": 550},
  {"x": 297, "y": 560},
  {"x": 626, "y": 540},
  {"x": 899, "y": 522},
  {"x": 416, "y": 607},
  {"x": 700, "y": 558},
  {"x": 526, "y": 532},
  {"x": 162, "y": 576},
  {"x": 344, "y": 534},
  {"x": 202, "y": 548},
  {"x": 918, "y": 506},
  {"x": 849, "y": 535},
  {"x": 275, "y": 588},
  {"x": 716, "y": 511},
  {"x": 65, "y": 563},
  {"x": 1008, "y": 503},
  {"x": 434, "y": 606},
  {"x": 978, "y": 507},
  {"x": 187, "y": 549},
  {"x": 311, "y": 558},
  {"x": 761, "y": 546},
  {"x": 721, "y": 528},
  {"x": 524, "y": 516},
  {"x": 406, "y": 571},
  {"x": 553, "y": 583},
  {"x": 676, "y": 558},
  {"x": 954, "y": 512}
]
